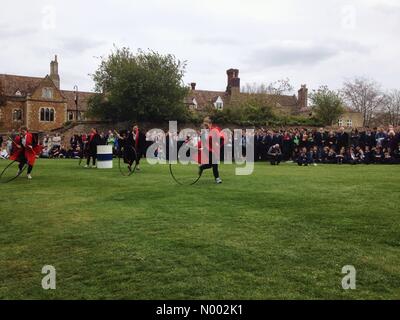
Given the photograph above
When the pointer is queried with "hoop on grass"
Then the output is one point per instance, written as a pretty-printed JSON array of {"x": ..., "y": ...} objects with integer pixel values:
[
  {"x": 11, "y": 172},
  {"x": 184, "y": 176},
  {"x": 127, "y": 161},
  {"x": 186, "y": 172}
]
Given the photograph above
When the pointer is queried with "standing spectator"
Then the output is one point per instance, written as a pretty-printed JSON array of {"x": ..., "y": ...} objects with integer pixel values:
[
  {"x": 57, "y": 140},
  {"x": 342, "y": 139},
  {"x": 111, "y": 140},
  {"x": 93, "y": 141}
]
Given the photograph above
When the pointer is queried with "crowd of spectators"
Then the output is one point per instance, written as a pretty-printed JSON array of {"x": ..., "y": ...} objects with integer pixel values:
[
  {"x": 312, "y": 146},
  {"x": 302, "y": 146}
]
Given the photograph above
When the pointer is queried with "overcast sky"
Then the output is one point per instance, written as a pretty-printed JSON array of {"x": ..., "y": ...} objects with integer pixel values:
[{"x": 308, "y": 41}]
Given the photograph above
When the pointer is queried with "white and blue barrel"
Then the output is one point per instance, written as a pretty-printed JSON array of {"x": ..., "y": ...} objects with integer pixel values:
[{"x": 104, "y": 157}]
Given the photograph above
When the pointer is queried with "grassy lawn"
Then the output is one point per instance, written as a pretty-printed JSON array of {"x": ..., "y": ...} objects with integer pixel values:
[{"x": 283, "y": 233}]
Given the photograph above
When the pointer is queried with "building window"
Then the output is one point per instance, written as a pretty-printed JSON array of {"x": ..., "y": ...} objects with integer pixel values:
[
  {"x": 219, "y": 104},
  {"x": 47, "y": 114},
  {"x": 17, "y": 115},
  {"x": 47, "y": 93},
  {"x": 18, "y": 93},
  {"x": 70, "y": 116},
  {"x": 194, "y": 104},
  {"x": 340, "y": 123}
]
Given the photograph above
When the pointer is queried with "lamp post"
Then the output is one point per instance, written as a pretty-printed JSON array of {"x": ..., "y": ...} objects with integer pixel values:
[{"x": 76, "y": 102}]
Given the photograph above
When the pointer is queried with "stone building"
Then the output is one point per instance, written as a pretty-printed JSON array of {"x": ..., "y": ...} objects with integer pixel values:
[{"x": 39, "y": 103}]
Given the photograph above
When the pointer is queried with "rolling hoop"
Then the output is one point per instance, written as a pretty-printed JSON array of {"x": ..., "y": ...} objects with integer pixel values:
[
  {"x": 6, "y": 176},
  {"x": 127, "y": 161}
]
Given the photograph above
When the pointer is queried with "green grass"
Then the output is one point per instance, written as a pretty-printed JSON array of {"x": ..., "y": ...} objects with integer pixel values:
[{"x": 283, "y": 233}]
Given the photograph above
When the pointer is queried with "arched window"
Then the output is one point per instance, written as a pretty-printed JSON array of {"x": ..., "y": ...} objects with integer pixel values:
[
  {"x": 51, "y": 115},
  {"x": 17, "y": 115},
  {"x": 47, "y": 114}
]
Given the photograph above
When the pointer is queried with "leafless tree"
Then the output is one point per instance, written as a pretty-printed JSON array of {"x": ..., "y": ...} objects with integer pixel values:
[
  {"x": 392, "y": 107},
  {"x": 365, "y": 96},
  {"x": 279, "y": 87}
]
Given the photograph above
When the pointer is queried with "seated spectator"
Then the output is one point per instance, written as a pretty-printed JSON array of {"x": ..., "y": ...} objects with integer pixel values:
[
  {"x": 4, "y": 155},
  {"x": 388, "y": 158},
  {"x": 396, "y": 154},
  {"x": 325, "y": 155},
  {"x": 275, "y": 155},
  {"x": 367, "y": 155},
  {"x": 311, "y": 157},
  {"x": 45, "y": 152},
  {"x": 54, "y": 152},
  {"x": 378, "y": 155},
  {"x": 359, "y": 154},
  {"x": 350, "y": 156},
  {"x": 302, "y": 159},
  {"x": 341, "y": 156},
  {"x": 63, "y": 152},
  {"x": 332, "y": 156}
]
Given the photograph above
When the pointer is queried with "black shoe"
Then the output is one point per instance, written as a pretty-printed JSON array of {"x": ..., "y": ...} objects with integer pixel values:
[{"x": 200, "y": 171}]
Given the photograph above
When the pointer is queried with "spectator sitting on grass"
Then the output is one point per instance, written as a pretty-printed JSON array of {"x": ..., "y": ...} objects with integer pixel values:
[
  {"x": 45, "y": 152},
  {"x": 302, "y": 159},
  {"x": 4, "y": 153}
]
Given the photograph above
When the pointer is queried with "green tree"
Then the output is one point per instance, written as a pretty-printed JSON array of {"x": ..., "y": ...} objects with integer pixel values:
[
  {"x": 327, "y": 105},
  {"x": 146, "y": 86}
]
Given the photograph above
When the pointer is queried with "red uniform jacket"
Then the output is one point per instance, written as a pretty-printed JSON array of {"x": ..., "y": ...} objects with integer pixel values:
[
  {"x": 28, "y": 151},
  {"x": 216, "y": 137}
]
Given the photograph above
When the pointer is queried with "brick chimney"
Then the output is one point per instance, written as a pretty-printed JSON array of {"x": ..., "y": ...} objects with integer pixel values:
[
  {"x": 233, "y": 81},
  {"x": 303, "y": 97},
  {"x": 54, "y": 72},
  {"x": 193, "y": 85}
]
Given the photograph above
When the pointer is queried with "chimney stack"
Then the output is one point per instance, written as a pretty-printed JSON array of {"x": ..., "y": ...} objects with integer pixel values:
[
  {"x": 193, "y": 85},
  {"x": 233, "y": 81},
  {"x": 303, "y": 97},
  {"x": 54, "y": 72}
]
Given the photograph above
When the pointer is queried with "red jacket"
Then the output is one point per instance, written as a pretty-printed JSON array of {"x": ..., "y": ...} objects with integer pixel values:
[
  {"x": 215, "y": 136},
  {"x": 28, "y": 151}
]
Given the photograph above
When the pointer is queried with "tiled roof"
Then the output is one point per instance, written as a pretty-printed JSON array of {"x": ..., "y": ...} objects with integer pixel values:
[
  {"x": 204, "y": 98},
  {"x": 83, "y": 98},
  {"x": 10, "y": 84},
  {"x": 282, "y": 100}
]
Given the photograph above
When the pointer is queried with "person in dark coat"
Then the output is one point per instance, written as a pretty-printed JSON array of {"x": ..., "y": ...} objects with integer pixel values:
[
  {"x": 342, "y": 139},
  {"x": 93, "y": 141},
  {"x": 275, "y": 155},
  {"x": 137, "y": 139}
]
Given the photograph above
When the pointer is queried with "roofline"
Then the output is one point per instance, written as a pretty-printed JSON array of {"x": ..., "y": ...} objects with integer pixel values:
[
  {"x": 16, "y": 75},
  {"x": 71, "y": 91}
]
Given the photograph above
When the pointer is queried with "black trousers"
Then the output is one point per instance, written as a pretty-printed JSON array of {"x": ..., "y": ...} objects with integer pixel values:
[
  {"x": 275, "y": 160},
  {"x": 22, "y": 162},
  {"x": 92, "y": 156},
  {"x": 213, "y": 166}
]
